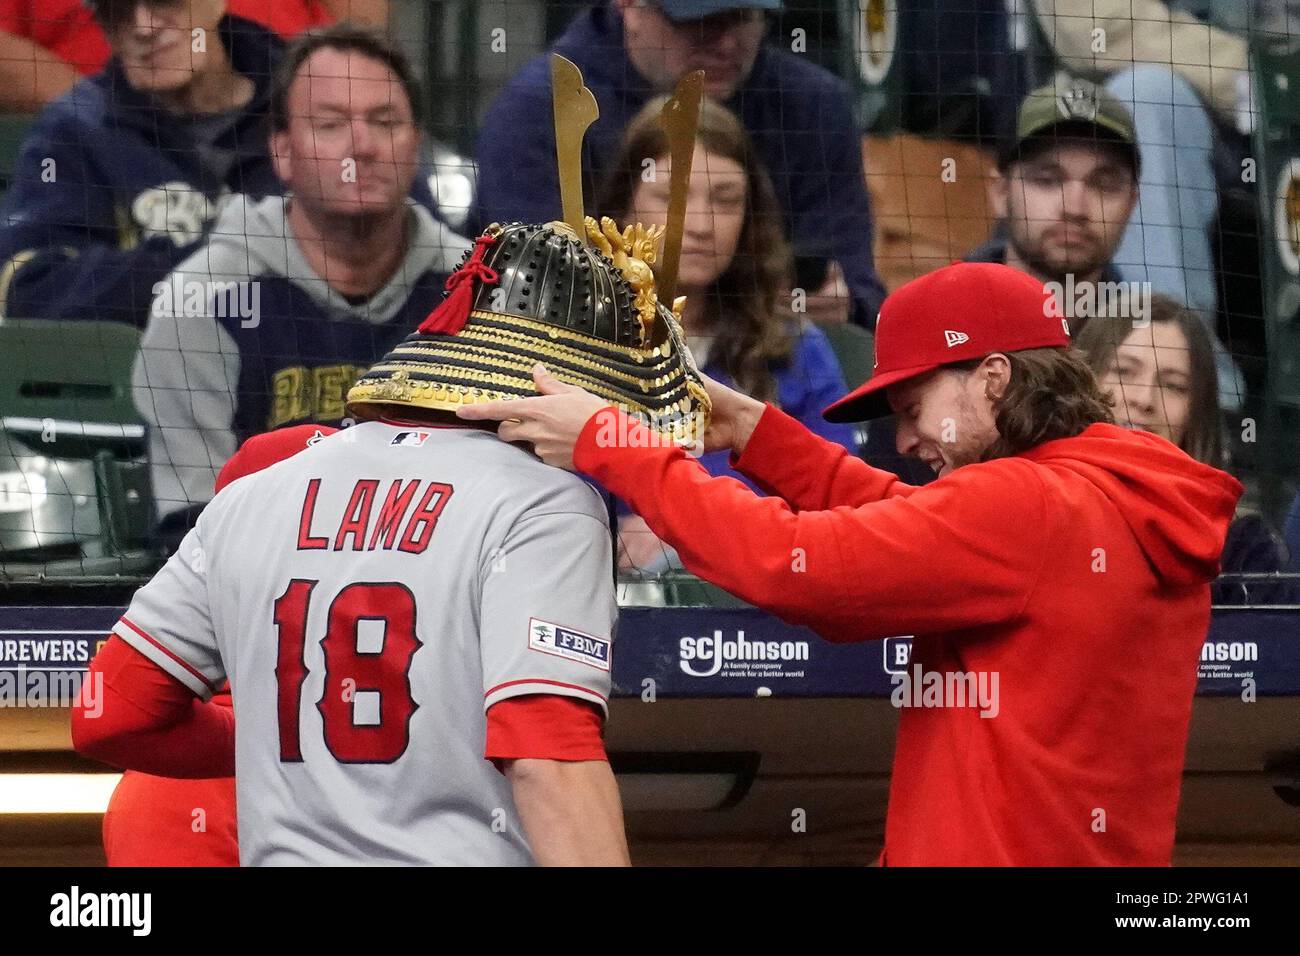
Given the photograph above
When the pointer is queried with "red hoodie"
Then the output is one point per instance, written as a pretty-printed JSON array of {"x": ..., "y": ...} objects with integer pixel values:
[{"x": 1078, "y": 573}]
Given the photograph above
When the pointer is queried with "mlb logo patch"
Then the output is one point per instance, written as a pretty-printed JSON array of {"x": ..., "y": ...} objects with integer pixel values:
[
  {"x": 567, "y": 643},
  {"x": 414, "y": 439}
]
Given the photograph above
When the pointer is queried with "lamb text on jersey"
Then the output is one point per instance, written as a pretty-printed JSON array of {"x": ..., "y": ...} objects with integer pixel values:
[{"x": 394, "y": 515}]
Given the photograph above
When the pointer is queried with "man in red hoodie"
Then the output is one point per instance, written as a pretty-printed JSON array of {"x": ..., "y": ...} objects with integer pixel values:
[{"x": 1059, "y": 560}]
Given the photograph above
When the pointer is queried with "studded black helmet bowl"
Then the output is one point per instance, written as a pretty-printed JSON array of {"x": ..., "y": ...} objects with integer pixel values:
[{"x": 585, "y": 307}]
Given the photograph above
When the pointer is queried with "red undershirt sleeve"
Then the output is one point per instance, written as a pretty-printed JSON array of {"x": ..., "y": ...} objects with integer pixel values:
[
  {"x": 544, "y": 727},
  {"x": 136, "y": 716}
]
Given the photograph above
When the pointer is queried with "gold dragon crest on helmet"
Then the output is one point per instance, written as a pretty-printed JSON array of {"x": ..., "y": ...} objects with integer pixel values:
[{"x": 633, "y": 251}]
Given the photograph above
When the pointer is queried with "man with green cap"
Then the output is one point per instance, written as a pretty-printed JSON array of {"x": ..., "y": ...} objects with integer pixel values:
[
  {"x": 1065, "y": 187},
  {"x": 1065, "y": 190}
]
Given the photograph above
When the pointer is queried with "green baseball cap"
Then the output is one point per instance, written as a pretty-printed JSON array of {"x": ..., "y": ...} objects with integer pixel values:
[{"x": 1078, "y": 103}]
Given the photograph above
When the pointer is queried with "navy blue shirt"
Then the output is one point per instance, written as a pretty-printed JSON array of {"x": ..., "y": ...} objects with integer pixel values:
[
  {"x": 110, "y": 191},
  {"x": 1252, "y": 547},
  {"x": 799, "y": 117}
]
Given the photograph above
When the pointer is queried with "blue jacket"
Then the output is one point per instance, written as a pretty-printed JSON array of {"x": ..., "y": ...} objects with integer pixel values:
[
  {"x": 108, "y": 196},
  {"x": 1252, "y": 548},
  {"x": 810, "y": 382},
  {"x": 798, "y": 115}
]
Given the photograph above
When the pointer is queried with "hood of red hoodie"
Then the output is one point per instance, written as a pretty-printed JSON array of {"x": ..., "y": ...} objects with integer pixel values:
[{"x": 1178, "y": 508}]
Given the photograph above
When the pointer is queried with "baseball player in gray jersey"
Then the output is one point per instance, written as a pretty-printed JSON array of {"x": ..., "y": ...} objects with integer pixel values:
[
  {"x": 391, "y": 606},
  {"x": 416, "y": 618}
]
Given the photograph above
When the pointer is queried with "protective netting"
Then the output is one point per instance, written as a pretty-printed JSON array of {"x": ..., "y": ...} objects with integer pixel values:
[{"x": 162, "y": 303}]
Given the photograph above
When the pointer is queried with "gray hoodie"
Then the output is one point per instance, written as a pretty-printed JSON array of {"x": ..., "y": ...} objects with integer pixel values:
[{"x": 244, "y": 336}]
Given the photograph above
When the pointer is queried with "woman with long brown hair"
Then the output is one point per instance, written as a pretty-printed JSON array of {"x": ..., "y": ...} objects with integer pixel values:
[
  {"x": 1161, "y": 377},
  {"x": 736, "y": 272}
]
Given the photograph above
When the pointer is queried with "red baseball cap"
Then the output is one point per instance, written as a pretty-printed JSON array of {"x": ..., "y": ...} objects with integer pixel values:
[
  {"x": 963, "y": 311},
  {"x": 263, "y": 451}
]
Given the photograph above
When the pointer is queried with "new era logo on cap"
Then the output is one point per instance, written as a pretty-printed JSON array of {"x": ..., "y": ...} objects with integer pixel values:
[{"x": 1001, "y": 309}]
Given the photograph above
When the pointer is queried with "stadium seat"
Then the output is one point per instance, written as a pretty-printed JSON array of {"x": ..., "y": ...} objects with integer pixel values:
[
  {"x": 924, "y": 220},
  {"x": 854, "y": 348},
  {"x": 674, "y": 588},
  {"x": 69, "y": 384},
  {"x": 74, "y": 483},
  {"x": 1291, "y": 534},
  {"x": 125, "y": 503},
  {"x": 869, "y": 63},
  {"x": 1279, "y": 201},
  {"x": 1278, "y": 194}
]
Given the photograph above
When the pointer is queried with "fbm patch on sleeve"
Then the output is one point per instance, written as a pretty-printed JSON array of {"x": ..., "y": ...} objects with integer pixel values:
[
  {"x": 547, "y": 612},
  {"x": 567, "y": 643}
]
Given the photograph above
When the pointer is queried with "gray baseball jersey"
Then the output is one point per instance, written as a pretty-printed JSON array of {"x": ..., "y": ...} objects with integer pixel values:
[{"x": 369, "y": 599}]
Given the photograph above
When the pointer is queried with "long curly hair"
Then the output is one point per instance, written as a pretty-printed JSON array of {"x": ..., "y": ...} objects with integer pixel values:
[
  {"x": 1052, "y": 393},
  {"x": 750, "y": 320}
]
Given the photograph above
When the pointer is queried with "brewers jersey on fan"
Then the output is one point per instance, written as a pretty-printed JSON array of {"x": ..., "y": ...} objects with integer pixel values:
[{"x": 369, "y": 599}]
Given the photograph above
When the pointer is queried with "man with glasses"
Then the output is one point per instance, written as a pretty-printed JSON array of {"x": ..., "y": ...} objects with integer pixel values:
[
  {"x": 269, "y": 322},
  {"x": 798, "y": 115}
]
